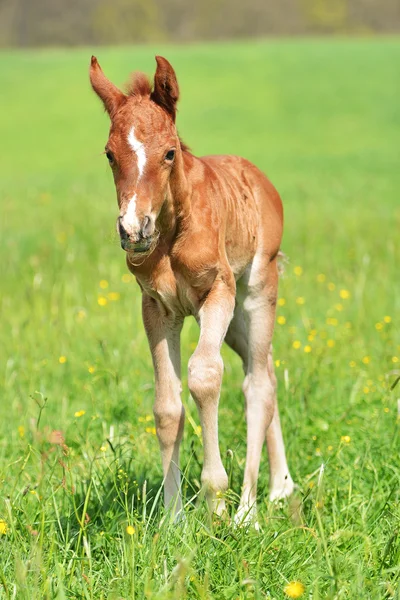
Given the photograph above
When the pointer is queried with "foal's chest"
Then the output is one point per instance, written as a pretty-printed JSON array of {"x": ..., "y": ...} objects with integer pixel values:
[{"x": 172, "y": 286}]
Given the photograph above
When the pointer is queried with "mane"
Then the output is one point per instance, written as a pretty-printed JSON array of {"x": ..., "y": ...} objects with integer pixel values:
[{"x": 139, "y": 85}]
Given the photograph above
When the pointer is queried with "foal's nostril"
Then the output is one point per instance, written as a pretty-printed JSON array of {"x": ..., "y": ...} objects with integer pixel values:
[
  {"x": 122, "y": 231},
  {"x": 147, "y": 227}
]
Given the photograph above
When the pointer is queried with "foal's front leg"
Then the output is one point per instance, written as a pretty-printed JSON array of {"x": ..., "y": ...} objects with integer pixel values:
[
  {"x": 205, "y": 377},
  {"x": 164, "y": 339}
]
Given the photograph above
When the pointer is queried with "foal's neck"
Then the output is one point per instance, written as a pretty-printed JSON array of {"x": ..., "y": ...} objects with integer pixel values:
[{"x": 176, "y": 209}]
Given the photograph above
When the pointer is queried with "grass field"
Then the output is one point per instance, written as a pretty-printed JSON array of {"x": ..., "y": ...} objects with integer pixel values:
[{"x": 80, "y": 473}]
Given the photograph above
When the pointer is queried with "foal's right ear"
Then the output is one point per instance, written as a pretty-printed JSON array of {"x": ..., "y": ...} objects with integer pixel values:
[{"x": 111, "y": 96}]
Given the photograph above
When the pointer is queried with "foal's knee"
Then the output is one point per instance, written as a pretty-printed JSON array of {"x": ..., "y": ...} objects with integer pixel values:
[
  {"x": 169, "y": 419},
  {"x": 205, "y": 376}
]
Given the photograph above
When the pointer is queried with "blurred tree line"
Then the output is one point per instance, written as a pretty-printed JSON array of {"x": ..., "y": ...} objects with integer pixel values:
[{"x": 72, "y": 22}]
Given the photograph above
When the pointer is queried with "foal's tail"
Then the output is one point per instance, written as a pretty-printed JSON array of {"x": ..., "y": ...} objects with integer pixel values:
[{"x": 282, "y": 260}]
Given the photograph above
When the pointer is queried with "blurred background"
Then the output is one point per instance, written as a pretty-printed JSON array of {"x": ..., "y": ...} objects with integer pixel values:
[
  {"x": 308, "y": 90},
  {"x": 83, "y": 22}
]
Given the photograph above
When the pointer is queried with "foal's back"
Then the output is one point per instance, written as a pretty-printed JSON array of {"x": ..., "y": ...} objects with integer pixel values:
[{"x": 238, "y": 200}]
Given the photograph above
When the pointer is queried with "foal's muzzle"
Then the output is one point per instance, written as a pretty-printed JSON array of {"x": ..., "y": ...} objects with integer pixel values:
[{"x": 140, "y": 241}]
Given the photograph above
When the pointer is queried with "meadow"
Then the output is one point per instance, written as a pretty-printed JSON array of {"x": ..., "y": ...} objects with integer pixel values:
[{"x": 80, "y": 499}]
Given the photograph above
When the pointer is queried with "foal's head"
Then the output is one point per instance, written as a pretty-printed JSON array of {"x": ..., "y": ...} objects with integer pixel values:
[{"x": 141, "y": 148}]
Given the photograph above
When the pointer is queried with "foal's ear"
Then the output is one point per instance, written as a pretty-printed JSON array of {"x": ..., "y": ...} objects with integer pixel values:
[
  {"x": 111, "y": 96},
  {"x": 166, "y": 89}
]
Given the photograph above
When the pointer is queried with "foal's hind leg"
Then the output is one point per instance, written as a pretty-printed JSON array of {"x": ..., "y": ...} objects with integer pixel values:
[
  {"x": 236, "y": 336},
  {"x": 280, "y": 482},
  {"x": 260, "y": 386}
]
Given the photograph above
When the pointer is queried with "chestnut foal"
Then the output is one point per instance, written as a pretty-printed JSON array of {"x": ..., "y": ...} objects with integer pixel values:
[{"x": 201, "y": 237}]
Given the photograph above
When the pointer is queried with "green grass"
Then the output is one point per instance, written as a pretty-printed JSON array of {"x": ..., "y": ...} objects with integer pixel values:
[{"x": 322, "y": 118}]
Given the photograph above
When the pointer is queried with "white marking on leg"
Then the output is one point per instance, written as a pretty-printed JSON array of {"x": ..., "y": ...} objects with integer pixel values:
[{"x": 138, "y": 148}]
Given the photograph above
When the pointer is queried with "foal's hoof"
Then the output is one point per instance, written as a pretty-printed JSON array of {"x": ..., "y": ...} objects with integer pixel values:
[
  {"x": 246, "y": 516},
  {"x": 284, "y": 490}
]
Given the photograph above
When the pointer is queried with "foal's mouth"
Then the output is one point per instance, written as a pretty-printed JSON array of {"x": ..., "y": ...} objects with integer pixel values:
[{"x": 136, "y": 247}]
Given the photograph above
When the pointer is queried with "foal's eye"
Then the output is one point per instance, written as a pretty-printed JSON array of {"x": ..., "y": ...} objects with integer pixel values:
[
  {"x": 170, "y": 155},
  {"x": 110, "y": 156}
]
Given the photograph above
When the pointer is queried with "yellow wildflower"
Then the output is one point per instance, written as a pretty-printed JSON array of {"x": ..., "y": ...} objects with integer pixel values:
[
  {"x": 330, "y": 343},
  {"x": 101, "y": 301},
  {"x": 145, "y": 419},
  {"x": 91, "y": 369},
  {"x": 281, "y": 320},
  {"x": 330, "y": 448},
  {"x": 294, "y": 589},
  {"x": 395, "y": 359},
  {"x": 331, "y": 286},
  {"x": 386, "y": 409},
  {"x": 151, "y": 430},
  {"x": 366, "y": 360},
  {"x": 281, "y": 301},
  {"x": 352, "y": 364},
  {"x": 321, "y": 278},
  {"x": 300, "y": 300},
  {"x": 61, "y": 237},
  {"x": 62, "y": 360},
  {"x": 307, "y": 349},
  {"x": 298, "y": 271},
  {"x": 103, "y": 448},
  {"x": 126, "y": 278},
  {"x": 387, "y": 319},
  {"x": 79, "y": 413},
  {"x": 130, "y": 530},
  {"x": 332, "y": 321},
  {"x": 378, "y": 326},
  {"x": 113, "y": 296},
  {"x": 296, "y": 344},
  {"x": 103, "y": 284},
  {"x": 81, "y": 315},
  {"x": 344, "y": 294},
  {"x": 278, "y": 363},
  {"x": 366, "y": 389},
  {"x": 339, "y": 307},
  {"x": 345, "y": 439},
  {"x": 3, "y": 527},
  {"x": 21, "y": 431}
]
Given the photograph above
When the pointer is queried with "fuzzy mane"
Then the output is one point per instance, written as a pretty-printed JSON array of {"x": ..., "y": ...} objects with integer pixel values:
[{"x": 139, "y": 86}]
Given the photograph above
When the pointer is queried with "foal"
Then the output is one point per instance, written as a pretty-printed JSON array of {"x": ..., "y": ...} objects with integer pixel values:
[{"x": 201, "y": 236}]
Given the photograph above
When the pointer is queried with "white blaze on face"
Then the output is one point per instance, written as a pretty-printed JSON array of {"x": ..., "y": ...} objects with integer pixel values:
[
  {"x": 130, "y": 220},
  {"x": 138, "y": 148}
]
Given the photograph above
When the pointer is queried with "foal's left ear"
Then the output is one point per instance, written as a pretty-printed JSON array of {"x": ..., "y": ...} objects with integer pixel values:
[{"x": 166, "y": 89}]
